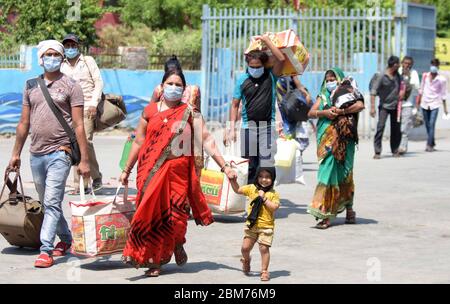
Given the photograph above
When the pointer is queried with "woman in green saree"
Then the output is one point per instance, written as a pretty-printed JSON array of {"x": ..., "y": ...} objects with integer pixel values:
[{"x": 336, "y": 140}]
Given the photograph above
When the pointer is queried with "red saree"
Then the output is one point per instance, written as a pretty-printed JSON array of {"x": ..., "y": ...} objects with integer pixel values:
[{"x": 160, "y": 221}]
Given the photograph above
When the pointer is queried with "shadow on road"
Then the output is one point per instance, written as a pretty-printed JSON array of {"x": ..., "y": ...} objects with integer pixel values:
[
  {"x": 104, "y": 264},
  {"x": 194, "y": 267},
  {"x": 112, "y": 191},
  {"x": 359, "y": 221},
  {"x": 20, "y": 251},
  {"x": 287, "y": 207},
  {"x": 237, "y": 218},
  {"x": 273, "y": 274}
]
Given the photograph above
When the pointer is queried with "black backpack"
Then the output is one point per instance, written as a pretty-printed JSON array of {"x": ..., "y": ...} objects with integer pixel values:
[{"x": 294, "y": 105}]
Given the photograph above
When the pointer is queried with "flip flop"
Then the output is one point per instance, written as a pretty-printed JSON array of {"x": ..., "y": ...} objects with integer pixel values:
[
  {"x": 265, "y": 276},
  {"x": 153, "y": 272},
  {"x": 324, "y": 224}
]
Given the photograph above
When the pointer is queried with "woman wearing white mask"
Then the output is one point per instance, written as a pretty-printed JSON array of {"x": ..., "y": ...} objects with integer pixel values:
[
  {"x": 166, "y": 178},
  {"x": 336, "y": 140}
]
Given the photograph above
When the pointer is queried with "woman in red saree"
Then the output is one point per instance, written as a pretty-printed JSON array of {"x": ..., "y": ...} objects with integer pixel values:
[{"x": 167, "y": 179}]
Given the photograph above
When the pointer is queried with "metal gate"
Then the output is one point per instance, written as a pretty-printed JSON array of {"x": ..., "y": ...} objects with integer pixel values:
[
  {"x": 420, "y": 34},
  {"x": 333, "y": 38}
]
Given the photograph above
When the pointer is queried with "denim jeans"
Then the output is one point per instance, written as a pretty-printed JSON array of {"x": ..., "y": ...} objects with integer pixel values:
[
  {"x": 258, "y": 145},
  {"x": 430, "y": 117},
  {"x": 50, "y": 172}
]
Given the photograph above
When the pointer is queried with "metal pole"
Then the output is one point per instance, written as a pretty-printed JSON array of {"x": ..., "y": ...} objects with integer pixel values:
[
  {"x": 205, "y": 32},
  {"x": 398, "y": 26}
]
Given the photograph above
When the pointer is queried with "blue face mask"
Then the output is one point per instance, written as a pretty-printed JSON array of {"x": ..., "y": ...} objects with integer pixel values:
[
  {"x": 256, "y": 72},
  {"x": 172, "y": 92},
  {"x": 51, "y": 64},
  {"x": 71, "y": 52},
  {"x": 331, "y": 86},
  {"x": 434, "y": 69}
]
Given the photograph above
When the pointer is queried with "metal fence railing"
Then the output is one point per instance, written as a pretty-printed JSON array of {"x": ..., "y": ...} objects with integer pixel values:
[
  {"x": 155, "y": 61},
  {"x": 11, "y": 61}
]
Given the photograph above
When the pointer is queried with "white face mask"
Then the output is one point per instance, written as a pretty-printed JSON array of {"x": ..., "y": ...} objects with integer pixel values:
[
  {"x": 173, "y": 92},
  {"x": 256, "y": 72},
  {"x": 51, "y": 64},
  {"x": 434, "y": 69},
  {"x": 331, "y": 86}
]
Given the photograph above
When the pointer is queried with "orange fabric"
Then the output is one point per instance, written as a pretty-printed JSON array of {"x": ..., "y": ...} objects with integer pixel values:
[{"x": 160, "y": 221}]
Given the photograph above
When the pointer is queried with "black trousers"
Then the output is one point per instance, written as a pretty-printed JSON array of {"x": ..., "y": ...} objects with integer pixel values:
[{"x": 396, "y": 134}]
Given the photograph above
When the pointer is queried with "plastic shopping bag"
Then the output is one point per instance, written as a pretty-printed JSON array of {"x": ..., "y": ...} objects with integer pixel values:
[
  {"x": 217, "y": 189},
  {"x": 100, "y": 226},
  {"x": 286, "y": 149}
]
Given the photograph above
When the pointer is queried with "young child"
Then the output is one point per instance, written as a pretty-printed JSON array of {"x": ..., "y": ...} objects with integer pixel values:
[{"x": 260, "y": 221}]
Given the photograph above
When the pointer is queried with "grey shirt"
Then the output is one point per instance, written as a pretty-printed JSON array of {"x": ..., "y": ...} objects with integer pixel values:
[
  {"x": 47, "y": 134},
  {"x": 387, "y": 88}
]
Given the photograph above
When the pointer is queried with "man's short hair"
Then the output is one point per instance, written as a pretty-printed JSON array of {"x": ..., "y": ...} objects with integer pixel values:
[
  {"x": 393, "y": 60},
  {"x": 409, "y": 58},
  {"x": 256, "y": 54},
  {"x": 435, "y": 62}
]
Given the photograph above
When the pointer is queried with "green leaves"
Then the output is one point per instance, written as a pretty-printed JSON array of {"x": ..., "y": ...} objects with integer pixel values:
[{"x": 49, "y": 19}]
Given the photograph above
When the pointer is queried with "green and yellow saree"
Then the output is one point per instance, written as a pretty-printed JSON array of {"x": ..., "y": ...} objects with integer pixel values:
[{"x": 335, "y": 152}]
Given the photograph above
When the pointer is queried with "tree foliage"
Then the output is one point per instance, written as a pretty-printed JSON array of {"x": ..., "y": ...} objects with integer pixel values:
[{"x": 47, "y": 19}]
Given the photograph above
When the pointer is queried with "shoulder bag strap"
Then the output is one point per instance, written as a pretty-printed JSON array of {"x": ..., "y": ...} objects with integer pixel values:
[{"x": 55, "y": 110}]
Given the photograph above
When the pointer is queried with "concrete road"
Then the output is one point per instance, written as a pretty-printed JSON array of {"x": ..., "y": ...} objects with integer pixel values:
[{"x": 402, "y": 233}]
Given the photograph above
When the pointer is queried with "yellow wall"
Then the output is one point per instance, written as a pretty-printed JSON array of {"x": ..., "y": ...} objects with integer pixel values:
[{"x": 443, "y": 52}]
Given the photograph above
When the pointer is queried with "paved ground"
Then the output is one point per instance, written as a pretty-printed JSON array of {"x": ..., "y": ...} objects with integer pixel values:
[{"x": 402, "y": 235}]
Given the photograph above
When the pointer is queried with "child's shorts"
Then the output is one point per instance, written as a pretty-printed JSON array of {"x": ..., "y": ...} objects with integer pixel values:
[{"x": 263, "y": 236}]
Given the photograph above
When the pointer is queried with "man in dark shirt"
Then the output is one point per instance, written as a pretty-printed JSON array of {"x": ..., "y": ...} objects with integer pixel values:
[
  {"x": 257, "y": 91},
  {"x": 387, "y": 87}
]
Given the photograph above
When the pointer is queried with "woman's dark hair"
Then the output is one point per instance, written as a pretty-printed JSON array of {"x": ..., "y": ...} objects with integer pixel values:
[
  {"x": 330, "y": 73},
  {"x": 256, "y": 54},
  {"x": 172, "y": 64},
  {"x": 174, "y": 72},
  {"x": 435, "y": 62},
  {"x": 393, "y": 60}
]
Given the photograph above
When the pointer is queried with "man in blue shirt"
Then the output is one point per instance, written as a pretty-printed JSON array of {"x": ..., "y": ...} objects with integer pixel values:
[{"x": 256, "y": 89}]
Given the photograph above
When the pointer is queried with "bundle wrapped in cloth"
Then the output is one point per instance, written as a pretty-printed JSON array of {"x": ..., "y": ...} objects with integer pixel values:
[{"x": 289, "y": 43}]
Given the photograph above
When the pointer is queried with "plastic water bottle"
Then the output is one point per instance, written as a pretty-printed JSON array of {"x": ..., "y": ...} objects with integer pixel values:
[{"x": 126, "y": 151}]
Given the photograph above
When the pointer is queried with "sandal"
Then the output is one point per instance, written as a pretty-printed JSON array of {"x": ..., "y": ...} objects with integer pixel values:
[
  {"x": 351, "y": 217},
  {"x": 153, "y": 272},
  {"x": 180, "y": 255},
  {"x": 265, "y": 276},
  {"x": 245, "y": 266},
  {"x": 324, "y": 224}
]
